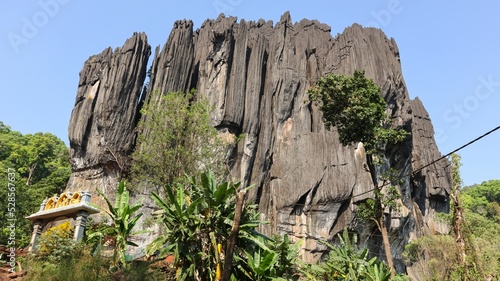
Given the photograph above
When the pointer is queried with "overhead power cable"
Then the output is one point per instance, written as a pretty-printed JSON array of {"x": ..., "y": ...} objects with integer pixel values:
[
  {"x": 458, "y": 149},
  {"x": 418, "y": 169},
  {"x": 435, "y": 161}
]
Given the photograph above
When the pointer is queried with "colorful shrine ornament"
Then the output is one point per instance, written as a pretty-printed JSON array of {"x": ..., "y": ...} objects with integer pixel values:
[{"x": 65, "y": 199}]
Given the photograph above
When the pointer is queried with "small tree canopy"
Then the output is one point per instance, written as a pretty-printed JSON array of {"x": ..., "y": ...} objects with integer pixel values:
[
  {"x": 178, "y": 140},
  {"x": 354, "y": 105}
]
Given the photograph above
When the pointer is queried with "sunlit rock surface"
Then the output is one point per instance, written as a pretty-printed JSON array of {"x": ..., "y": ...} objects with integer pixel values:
[{"x": 256, "y": 75}]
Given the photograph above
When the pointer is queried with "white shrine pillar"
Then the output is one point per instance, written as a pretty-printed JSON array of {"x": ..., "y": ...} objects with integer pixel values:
[
  {"x": 80, "y": 222},
  {"x": 37, "y": 231}
]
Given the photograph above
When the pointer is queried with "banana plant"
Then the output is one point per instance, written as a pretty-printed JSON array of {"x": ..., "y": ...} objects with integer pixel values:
[
  {"x": 261, "y": 265},
  {"x": 197, "y": 220},
  {"x": 347, "y": 262},
  {"x": 122, "y": 223},
  {"x": 271, "y": 259},
  {"x": 378, "y": 272}
]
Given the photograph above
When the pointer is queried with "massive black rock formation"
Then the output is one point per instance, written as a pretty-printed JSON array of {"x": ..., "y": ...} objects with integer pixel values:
[
  {"x": 106, "y": 111},
  {"x": 256, "y": 75}
]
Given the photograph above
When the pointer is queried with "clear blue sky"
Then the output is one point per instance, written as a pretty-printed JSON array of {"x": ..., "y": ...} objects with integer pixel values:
[{"x": 449, "y": 53}]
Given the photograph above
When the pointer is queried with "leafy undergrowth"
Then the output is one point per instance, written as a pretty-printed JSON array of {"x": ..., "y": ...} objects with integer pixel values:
[
  {"x": 275, "y": 259},
  {"x": 82, "y": 266},
  {"x": 197, "y": 221}
]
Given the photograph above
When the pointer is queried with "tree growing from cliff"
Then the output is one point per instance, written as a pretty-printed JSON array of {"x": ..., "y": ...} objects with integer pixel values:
[
  {"x": 176, "y": 139},
  {"x": 353, "y": 105},
  {"x": 474, "y": 221},
  {"x": 467, "y": 259}
]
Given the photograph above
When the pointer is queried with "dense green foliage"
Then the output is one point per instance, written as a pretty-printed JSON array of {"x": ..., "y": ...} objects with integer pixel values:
[
  {"x": 56, "y": 243},
  {"x": 354, "y": 105},
  {"x": 483, "y": 199},
  {"x": 482, "y": 212},
  {"x": 177, "y": 140},
  {"x": 32, "y": 167},
  {"x": 270, "y": 259},
  {"x": 79, "y": 264},
  {"x": 348, "y": 262},
  {"x": 197, "y": 221}
]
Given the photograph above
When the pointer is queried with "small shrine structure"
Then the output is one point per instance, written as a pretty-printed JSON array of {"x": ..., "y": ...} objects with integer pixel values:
[{"x": 67, "y": 205}]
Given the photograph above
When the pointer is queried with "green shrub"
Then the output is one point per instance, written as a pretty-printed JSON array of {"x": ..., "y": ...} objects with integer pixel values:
[
  {"x": 76, "y": 265},
  {"x": 270, "y": 259},
  {"x": 197, "y": 220},
  {"x": 81, "y": 265},
  {"x": 434, "y": 256},
  {"x": 56, "y": 243}
]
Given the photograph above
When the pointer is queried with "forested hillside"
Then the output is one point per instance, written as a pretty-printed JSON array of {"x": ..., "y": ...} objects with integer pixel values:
[
  {"x": 482, "y": 205},
  {"x": 33, "y": 167}
]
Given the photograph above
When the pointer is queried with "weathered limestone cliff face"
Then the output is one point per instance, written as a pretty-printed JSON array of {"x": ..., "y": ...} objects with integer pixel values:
[
  {"x": 106, "y": 111},
  {"x": 431, "y": 185},
  {"x": 256, "y": 74}
]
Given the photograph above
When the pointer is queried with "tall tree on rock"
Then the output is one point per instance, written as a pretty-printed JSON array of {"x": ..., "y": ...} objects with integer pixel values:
[
  {"x": 467, "y": 259},
  {"x": 353, "y": 105}
]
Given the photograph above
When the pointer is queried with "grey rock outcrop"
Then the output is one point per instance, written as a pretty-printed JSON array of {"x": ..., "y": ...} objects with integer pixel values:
[
  {"x": 431, "y": 185},
  {"x": 102, "y": 125},
  {"x": 256, "y": 74}
]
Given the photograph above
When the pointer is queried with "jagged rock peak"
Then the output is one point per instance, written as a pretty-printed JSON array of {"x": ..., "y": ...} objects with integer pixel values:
[
  {"x": 106, "y": 111},
  {"x": 179, "y": 24}
]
